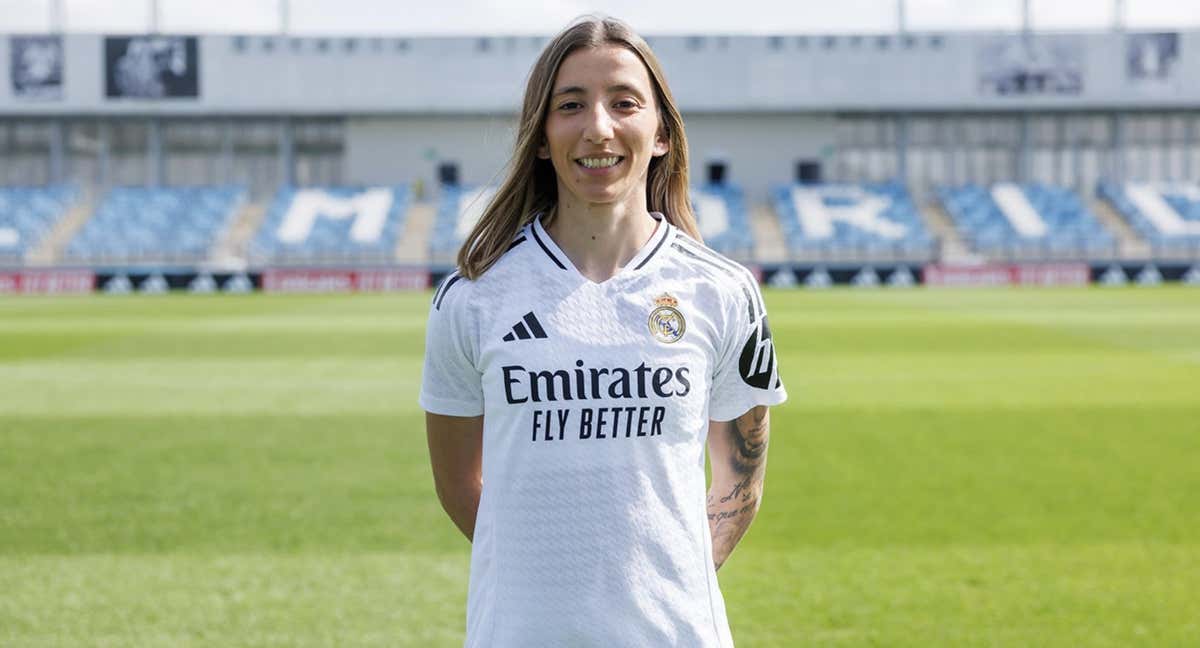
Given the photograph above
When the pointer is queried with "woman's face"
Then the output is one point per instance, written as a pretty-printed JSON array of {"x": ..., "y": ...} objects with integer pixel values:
[{"x": 603, "y": 126}]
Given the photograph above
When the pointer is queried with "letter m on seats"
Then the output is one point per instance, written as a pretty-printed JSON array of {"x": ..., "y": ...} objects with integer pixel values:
[{"x": 369, "y": 210}]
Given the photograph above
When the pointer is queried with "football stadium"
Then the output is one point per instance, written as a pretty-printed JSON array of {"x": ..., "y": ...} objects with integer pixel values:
[{"x": 980, "y": 250}]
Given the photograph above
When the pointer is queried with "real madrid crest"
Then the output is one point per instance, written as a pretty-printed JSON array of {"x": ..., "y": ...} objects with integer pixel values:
[{"x": 666, "y": 322}]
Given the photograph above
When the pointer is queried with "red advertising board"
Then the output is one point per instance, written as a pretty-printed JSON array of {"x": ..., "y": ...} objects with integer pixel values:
[
  {"x": 391, "y": 280},
  {"x": 339, "y": 280},
  {"x": 1030, "y": 274},
  {"x": 47, "y": 282}
]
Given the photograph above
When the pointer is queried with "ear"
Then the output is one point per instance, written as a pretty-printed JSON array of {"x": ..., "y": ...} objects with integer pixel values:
[
  {"x": 662, "y": 144},
  {"x": 543, "y": 151}
]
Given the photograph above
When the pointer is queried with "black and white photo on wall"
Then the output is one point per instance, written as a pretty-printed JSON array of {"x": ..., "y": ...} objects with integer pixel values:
[
  {"x": 1031, "y": 65},
  {"x": 1151, "y": 57},
  {"x": 36, "y": 67},
  {"x": 151, "y": 67}
]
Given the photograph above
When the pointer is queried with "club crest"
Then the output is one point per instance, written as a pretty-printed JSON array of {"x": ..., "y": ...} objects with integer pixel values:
[{"x": 666, "y": 322}]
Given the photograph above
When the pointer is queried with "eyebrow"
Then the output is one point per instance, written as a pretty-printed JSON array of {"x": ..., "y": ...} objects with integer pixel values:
[{"x": 619, "y": 87}]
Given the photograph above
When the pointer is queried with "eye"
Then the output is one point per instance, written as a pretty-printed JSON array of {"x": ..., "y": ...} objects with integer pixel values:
[
  {"x": 627, "y": 104},
  {"x": 569, "y": 105}
]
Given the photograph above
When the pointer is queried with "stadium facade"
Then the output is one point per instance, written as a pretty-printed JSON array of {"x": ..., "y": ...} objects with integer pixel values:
[{"x": 813, "y": 153}]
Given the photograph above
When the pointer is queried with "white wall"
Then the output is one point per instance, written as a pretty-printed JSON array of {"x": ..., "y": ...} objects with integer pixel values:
[
  {"x": 271, "y": 75},
  {"x": 392, "y": 149},
  {"x": 760, "y": 149}
]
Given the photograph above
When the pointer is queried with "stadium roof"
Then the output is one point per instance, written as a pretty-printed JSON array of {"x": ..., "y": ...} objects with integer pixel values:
[{"x": 463, "y": 17}]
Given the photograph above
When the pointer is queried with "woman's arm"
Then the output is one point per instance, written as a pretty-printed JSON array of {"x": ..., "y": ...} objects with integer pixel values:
[
  {"x": 456, "y": 455},
  {"x": 737, "y": 451}
]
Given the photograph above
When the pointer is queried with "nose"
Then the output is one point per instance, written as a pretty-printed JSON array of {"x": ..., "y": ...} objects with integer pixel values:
[{"x": 598, "y": 127}]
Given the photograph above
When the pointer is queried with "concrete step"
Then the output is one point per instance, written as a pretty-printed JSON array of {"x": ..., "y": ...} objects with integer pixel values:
[
  {"x": 50, "y": 248},
  {"x": 413, "y": 245},
  {"x": 954, "y": 250},
  {"x": 1129, "y": 244},
  {"x": 769, "y": 243},
  {"x": 230, "y": 250}
]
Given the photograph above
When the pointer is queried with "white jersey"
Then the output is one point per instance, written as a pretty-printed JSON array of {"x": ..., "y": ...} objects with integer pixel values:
[{"x": 592, "y": 527}]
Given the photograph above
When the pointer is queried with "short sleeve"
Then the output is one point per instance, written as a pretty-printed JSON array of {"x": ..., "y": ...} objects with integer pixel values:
[
  {"x": 450, "y": 382},
  {"x": 747, "y": 372}
]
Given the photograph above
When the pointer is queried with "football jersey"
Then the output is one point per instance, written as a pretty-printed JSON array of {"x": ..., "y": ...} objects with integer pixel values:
[{"x": 592, "y": 527}]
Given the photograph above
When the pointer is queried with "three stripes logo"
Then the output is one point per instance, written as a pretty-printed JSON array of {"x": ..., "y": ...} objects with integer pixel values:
[
  {"x": 757, "y": 362},
  {"x": 528, "y": 327}
]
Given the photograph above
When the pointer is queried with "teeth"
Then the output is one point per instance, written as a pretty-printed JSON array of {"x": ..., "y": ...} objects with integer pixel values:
[{"x": 599, "y": 163}]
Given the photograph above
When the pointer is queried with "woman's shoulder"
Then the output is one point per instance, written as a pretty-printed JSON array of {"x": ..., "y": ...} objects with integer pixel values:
[
  {"x": 725, "y": 274},
  {"x": 457, "y": 287},
  {"x": 451, "y": 291}
]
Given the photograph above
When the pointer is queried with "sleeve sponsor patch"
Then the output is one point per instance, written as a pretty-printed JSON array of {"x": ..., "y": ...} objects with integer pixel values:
[{"x": 757, "y": 362}]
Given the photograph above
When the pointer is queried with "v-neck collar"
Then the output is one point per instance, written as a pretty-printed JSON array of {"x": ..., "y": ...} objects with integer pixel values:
[{"x": 660, "y": 237}]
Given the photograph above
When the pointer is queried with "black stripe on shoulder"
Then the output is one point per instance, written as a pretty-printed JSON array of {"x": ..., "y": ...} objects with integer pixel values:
[
  {"x": 661, "y": 240},
  {"x": 546, "y": 249},
  {"x": 746, "y": 292},
  {"x": 519, "y": 240},
  {"x": 442, "y": 286},
  {"x": 446, "y": 288},
  {"x": 735, "y": 269}
]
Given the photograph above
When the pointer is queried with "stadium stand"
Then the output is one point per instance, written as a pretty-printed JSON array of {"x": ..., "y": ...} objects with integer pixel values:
[
  {"x": 1010, "y": 220},
  {"x": 154, "y": 224},
  {"x": 331, "y": 224},
  {"x": 27, "y": 214},
  {"x": 1167, "y": 216},
  {"x": 723, "y": 219},
  {"x": 459, "y": 208},
  {"x": 851, "y": 221}
]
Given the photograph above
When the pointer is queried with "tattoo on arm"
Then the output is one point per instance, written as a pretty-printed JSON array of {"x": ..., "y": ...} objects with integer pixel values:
[
  {"x": 731, "y": 509},
  {"x": 750, "y": 440}
]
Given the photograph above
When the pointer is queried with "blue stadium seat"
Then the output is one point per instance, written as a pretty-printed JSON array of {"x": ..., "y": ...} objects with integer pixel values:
[
  {"x": 458, "y": 209},
  {"x": 833, "y": 221},
  {"x": 155, "y": 224},
  {"x": 332, "y": 224},
  {"x": 27, "y": 214},
  {"x": 1034, "y": 220},
  {"x": 723, "y": 219},
  {"x": 1166, "y": 216}
]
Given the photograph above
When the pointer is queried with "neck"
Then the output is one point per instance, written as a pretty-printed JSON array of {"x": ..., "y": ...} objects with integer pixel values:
[{"x": 600, "y": 239}]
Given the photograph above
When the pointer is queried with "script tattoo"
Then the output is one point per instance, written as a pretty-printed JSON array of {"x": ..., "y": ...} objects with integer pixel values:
[{"x": 731, "y": 510}]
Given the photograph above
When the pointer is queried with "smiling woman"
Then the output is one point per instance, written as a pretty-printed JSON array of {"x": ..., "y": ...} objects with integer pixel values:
[
  {"x": 597, "y": 92},
  {"x": 602, "y": 131},
  {"x": 586, "y": 309}
]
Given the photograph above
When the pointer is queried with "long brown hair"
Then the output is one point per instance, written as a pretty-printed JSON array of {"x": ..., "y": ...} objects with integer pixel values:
[{"x": 530, "y": 187}]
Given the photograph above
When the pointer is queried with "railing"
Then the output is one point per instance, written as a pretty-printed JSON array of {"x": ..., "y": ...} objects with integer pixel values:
[
  {"x": 874, "y": 252},
  {"x": 1184, "y": 248}
]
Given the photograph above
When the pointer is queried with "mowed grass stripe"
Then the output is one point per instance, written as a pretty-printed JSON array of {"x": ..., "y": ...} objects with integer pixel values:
[
  {"x": 362, "y": 483},
  {"x": 300, "y": 387},
  {"x": 369, "y": 599},
  {"x": 1103, "y": 595},
  {"x": 349, "y": 384},
  {"x": 219, "y": 484},
  {"x": 943, "y": 359}
]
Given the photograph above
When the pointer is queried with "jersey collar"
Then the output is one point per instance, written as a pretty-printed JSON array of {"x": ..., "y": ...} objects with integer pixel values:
[{"x": 653, "y": 246}]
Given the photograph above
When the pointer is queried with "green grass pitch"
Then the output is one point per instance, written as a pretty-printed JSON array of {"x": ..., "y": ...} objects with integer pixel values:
[{"x": 954, "y": 468}]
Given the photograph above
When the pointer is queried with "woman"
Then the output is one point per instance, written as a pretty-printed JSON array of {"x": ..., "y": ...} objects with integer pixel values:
[{"x": 579, "y": 359}]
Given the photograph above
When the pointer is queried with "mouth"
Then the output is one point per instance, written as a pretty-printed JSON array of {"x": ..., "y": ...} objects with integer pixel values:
[{"x": 599, "y": 163}]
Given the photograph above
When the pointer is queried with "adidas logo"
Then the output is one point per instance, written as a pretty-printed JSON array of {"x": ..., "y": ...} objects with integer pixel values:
[{"x": 528, "y": 327}]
